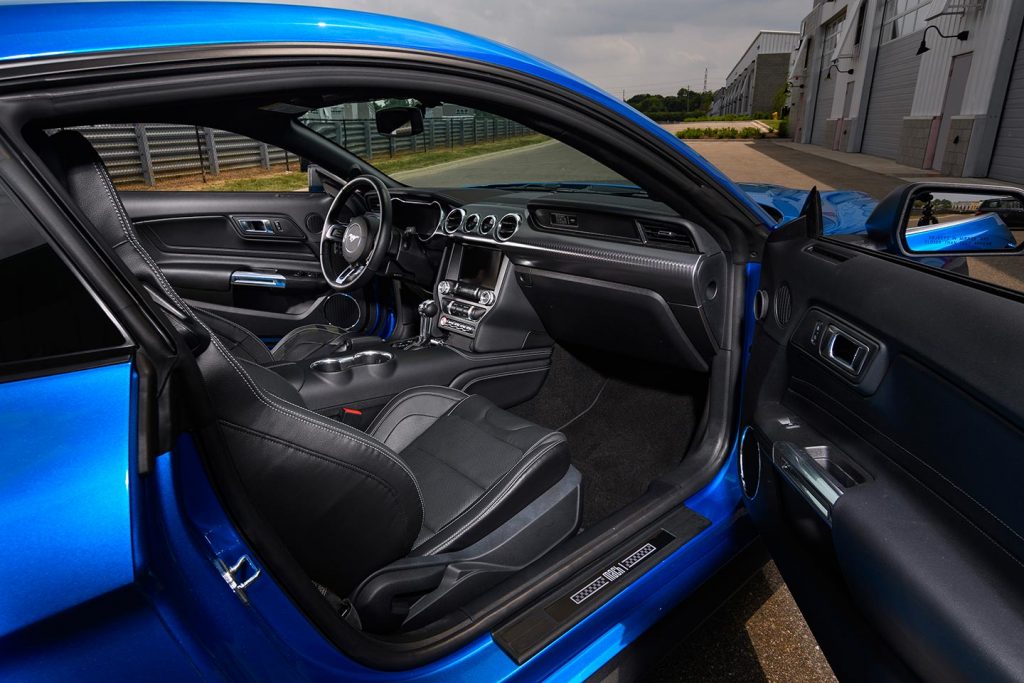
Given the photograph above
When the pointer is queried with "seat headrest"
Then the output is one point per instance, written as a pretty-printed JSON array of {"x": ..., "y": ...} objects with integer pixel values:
[{"x": 79, "y": 167}]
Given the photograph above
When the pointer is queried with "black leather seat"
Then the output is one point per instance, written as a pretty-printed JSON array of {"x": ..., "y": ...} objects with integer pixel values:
[
  {"x": 303, "y": 343},
  {"x": 440, "y": 478},
  {"x": 476, "y": 463}
]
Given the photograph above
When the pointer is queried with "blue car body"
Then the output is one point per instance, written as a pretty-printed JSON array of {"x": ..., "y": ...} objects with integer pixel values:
[{"x": 95, "y": 581}]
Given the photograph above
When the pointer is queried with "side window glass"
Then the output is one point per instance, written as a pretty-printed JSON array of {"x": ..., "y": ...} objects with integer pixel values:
[
  {"x": 171, "y": 157},
  {"x": 47, "y": 313}
]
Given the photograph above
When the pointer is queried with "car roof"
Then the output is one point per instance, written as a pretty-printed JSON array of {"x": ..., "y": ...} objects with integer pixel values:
[{"x": 29, "y": 31}]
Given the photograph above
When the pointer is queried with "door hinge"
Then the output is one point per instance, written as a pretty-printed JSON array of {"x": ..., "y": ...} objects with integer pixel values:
[{"x": 239, "y": 576}]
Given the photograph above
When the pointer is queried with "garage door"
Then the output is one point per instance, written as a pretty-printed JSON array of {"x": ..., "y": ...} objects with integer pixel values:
[
  {"x": 823, "y": 109},
  {"x": 1008, "y": 156},
  {"x": 892, "y": 94}
]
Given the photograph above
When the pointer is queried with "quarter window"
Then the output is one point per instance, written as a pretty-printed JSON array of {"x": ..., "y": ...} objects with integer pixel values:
[{"x": 47, "y": 313}]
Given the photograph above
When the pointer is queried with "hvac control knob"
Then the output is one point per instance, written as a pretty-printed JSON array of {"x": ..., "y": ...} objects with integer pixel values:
[
  {"x": 486, "y": 297},
  {"x": 444, "y": 287}
]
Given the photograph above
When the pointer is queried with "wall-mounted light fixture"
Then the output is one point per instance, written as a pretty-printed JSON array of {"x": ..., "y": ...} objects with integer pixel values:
[
  {"x": 962, "y": 36},
  {"x": 828, "y": 76}
]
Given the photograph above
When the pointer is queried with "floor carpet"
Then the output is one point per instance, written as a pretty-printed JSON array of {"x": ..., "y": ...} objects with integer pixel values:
[{"x": 628, "y": 422}]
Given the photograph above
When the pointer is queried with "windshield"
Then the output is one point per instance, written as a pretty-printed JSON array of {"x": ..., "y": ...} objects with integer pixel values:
[{"x": 463, "y": 147}]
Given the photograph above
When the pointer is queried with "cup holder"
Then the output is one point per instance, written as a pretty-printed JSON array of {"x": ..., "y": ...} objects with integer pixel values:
[
  {"x": 750, "y": 462},
  {"x": 343, "y": 363}
]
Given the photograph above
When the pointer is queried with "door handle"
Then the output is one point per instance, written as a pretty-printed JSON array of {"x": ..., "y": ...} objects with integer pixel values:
[
  {"x": 843, "y": 350},
  {"x": 251, "y": 279}
]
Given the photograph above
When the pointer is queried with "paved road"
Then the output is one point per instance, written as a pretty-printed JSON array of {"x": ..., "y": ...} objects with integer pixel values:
[
  {"x": 547, "y": 161},
  {"x": 762, "y": 161}
]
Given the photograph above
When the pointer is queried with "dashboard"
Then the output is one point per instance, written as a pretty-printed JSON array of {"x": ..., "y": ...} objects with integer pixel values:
[{"x": 618, "y": 272}]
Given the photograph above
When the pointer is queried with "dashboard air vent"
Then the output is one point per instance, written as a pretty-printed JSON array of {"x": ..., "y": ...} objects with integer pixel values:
[
  {"x": 487, "y": 225},
  {"x": 507, "y": 226},
  {"x": 472, "y": 221},
  {"x": 453, "y": 221},
  {"x": 667, "y": 235}
]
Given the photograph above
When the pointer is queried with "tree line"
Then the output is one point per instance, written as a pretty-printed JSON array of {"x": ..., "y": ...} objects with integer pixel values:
[{"x": 686, "y": 103}]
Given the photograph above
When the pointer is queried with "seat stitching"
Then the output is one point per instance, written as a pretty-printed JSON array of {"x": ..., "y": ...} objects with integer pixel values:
[
  {"x": 248, "y": 333},
  {"x": 493, "y": 503},
  {"x": 402, "y": 398},
  {"x": 310, "y": 452},
  {"x": 384, "y": 439},
  {"x": 246, "y": 379},
  {"x": 325, "y": 458}
]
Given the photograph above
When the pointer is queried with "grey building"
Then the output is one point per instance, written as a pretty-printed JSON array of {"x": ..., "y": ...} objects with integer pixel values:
[
  {"x": 935, "y": 84},
  {"x": 762, "y": 70}
]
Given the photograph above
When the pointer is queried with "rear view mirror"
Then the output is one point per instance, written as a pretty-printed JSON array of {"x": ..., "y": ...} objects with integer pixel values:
[
  {"x": 951, "y": 219},
  {"x": 399, "y": 122}
]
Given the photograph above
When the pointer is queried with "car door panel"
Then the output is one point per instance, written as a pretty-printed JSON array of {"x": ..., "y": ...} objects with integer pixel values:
[
  {"x": 916, "y": 561},
  {"x": 251, "y": 257}
]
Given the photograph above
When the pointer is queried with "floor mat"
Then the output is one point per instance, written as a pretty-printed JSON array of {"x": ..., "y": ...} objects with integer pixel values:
[{"x": 627, "y": 422}]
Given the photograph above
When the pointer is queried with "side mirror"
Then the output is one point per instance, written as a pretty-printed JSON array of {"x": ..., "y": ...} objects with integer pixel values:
[
  {"x": 400, "y": 122},
  {"x": 950, "y": 220}
]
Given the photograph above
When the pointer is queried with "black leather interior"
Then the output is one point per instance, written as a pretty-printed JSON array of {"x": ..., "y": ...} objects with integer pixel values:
[
  {"x": 439, "y": 469},
  {"x": 73, "y": 152},
  {"x": 916, "y": 572},
  {"x": 439, "y": 433}
]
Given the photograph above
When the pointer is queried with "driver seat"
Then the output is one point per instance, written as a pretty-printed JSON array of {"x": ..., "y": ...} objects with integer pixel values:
[
  {"x": 443, "y": 497},
  {"x": 70, "y": 149}
]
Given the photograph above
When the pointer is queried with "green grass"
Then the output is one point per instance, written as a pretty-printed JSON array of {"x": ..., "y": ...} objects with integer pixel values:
[
  {"x": 285, "y": 181},
  {"x": 773, "y": 123},
  {"x": 720, "y": 133}
]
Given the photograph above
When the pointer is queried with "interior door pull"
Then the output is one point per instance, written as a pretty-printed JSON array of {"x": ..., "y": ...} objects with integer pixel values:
[
  {"x": 251, "y": 279},
  {"x": 843, "y": 350},
  {"x": 814, "y": 484}
]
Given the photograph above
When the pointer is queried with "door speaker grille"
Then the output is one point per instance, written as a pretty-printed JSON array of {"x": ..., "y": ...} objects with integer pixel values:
[
  {"x": 783, "y": 305},
  {"x": 343, "y": 311}
]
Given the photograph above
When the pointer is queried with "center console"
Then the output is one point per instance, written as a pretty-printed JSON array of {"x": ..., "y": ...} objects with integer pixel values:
[
  {"x": 470, "y": 288},
  {"x": 480, "y": 335}
]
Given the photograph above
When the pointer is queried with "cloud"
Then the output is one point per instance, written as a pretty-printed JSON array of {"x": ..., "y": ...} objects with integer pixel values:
[{"x": 631, "y": 45}]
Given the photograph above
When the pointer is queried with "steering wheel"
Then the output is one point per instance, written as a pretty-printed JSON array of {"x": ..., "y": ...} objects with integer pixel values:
[{"x": 353, "y": 250}]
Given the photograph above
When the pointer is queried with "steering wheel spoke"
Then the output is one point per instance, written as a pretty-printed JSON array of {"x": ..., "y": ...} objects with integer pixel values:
[
  {"x": 354, "y": 248},
  {"x": 334, "y": 232},
  {"x": 349, "y": 274}
]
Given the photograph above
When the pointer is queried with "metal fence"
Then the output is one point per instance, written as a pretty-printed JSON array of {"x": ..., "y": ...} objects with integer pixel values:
[{"x": 143, "y": 154}]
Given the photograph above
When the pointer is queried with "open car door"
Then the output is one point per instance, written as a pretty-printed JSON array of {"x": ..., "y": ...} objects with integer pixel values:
[{"x": 883, "y": 457}]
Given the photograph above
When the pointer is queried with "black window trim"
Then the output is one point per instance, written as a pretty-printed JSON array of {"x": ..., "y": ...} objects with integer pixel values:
[
  {"x": 68, "y": 362},
  {"x": 938, "y": 272}
]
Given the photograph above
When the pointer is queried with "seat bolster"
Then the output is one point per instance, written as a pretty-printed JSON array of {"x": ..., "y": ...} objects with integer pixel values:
[
  {"x": 541, "y": 467},
  {"x": 411, "y": 412},
  {"x": 311, "y": 341},
  {"x": 240, "y": 341}
]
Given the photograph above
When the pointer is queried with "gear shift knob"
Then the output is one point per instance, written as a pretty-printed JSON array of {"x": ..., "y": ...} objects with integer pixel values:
[{"x": 428, "y": 309}]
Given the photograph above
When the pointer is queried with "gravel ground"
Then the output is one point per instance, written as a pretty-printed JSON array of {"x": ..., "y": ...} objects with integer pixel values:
[{"x": 759, "y": 634}]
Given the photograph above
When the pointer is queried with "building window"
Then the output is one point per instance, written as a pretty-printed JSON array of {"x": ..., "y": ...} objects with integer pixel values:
[
  {"x": 859, "y": 31},
  {"x": 903, "y": 17},
  {"x": 832, "y": 30}
]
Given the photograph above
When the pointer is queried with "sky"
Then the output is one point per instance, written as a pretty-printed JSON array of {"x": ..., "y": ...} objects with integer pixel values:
[{"x": 654, "y": 46}]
